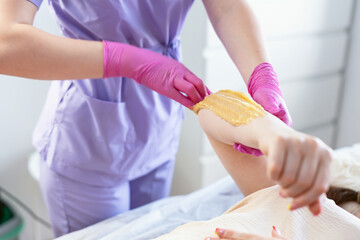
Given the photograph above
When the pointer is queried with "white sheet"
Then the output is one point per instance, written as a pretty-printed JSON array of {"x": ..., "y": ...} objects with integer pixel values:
[
  {"x": 163, "y": 216},
  {"x": 158, "y": 218}
]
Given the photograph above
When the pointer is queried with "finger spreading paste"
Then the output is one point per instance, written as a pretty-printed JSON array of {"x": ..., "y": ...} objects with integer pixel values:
[{"x": 234, "y": 107}]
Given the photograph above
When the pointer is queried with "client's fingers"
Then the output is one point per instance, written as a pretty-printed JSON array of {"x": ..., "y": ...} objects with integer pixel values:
[
  {"x": 319, "y": 187},
  {"x": 315, "y": 207},
  {"x": 233, "y": 235},
  {"x": 292, "y": 163},
  {"x": 309, "y": 155},
  {"x": 276, "y": 158}
]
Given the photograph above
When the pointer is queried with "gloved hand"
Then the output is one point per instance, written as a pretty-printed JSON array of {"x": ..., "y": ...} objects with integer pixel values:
[
  {"x": 264, "y": 88},
  {"x": 155, "y": 71}
]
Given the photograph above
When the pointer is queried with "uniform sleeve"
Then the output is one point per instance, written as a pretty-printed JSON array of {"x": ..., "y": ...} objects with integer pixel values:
[{"x": 36, "y": 2}]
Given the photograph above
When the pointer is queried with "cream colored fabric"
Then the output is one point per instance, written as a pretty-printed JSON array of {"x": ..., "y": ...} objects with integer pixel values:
[
  {"x": 345, "y": 169},
  {"x": 258, "y": 212},
  {"x": 345, "y": 173}
]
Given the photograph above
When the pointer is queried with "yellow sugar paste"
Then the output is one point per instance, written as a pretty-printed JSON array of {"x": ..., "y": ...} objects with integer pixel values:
[{"x": 234, "y": 107}]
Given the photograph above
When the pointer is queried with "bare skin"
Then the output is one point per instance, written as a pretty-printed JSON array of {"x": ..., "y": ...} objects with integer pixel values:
[
  {"x": 233, "y": 235},
  {"x": 291, "y": 159},
  {"x": 299, "y": 163},
  {"x": 26, "y": 51}
]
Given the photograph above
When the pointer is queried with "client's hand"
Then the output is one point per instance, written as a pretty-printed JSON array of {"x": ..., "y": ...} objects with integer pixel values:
[
  {"x": 264, "y": 89},
  {"x": 233, "y": 235},
  {"x": 300, "y": 164}
]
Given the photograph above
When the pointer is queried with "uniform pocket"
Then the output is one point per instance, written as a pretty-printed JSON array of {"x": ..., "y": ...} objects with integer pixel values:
[
  {"x": 92, "y": 130},
  {"x": 109, "y": 120}
]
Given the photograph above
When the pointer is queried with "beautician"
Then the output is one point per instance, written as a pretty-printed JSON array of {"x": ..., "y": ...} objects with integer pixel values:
[{"x": 109, "y": 132}]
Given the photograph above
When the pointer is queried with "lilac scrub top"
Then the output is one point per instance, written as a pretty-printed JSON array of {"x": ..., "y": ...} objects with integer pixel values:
[{"x": 104, "y": 131}]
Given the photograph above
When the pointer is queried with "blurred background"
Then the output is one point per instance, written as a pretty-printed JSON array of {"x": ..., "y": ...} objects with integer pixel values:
[{"x": 313, "y": 45}]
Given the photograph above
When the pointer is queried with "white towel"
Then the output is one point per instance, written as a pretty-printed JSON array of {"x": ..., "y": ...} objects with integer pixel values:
[{"x": 345, "y": 169}]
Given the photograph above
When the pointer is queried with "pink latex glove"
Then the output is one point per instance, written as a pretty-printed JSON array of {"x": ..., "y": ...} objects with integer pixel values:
[
  {"x": 264, "y": 89},
  {"x": 155, "y": 71}
]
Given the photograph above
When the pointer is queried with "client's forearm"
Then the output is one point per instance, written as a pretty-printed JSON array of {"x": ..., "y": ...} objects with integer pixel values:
[
  {"x": 249, "y": 172},
  {"x": 232, "y": 117},
  {"x": 299, "y": 163},
  {"x": 256, "y": 134}
]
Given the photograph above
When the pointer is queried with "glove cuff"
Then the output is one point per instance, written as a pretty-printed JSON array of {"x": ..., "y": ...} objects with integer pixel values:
[
  {"x": 249, "y": 150},
  {"x": 112, "y": 57}
]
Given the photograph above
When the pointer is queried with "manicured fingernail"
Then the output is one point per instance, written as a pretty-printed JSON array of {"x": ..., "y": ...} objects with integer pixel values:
[
  {"x": 291, "y": 206},
  {"x": 281, "y": 195},
  {"x": 220, "y": 232},
  {"x": 276, "y": 230}
]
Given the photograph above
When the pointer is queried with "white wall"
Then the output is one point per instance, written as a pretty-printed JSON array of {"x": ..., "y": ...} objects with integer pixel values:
[
  {"x": 187, "y": 164},
  {"x": 349, "y": 114},
  {"x": 21, "y": 101}
]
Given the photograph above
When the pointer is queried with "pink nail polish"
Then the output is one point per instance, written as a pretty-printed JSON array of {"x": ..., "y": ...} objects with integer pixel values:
[
  {"x": 276, "y": 230},
  {"x": 220, "y": 232},
  {"x": 281, "y": 195}
]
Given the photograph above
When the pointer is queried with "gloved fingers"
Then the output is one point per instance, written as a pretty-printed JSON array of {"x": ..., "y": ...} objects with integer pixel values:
[
  {"x": 180, "y": 98},
  {"x": 283, "y": 113},
  {"x": 245, "y": 149},
  {"x": 276, "y": 107},
  {"x": 273, "y": 102},
  {"x": 267, "y": 99},
  {"x": 197, "y": 82},
  {"x": 286, "y": 118},
  {"x": 208, "y": 91},
  {"x": 189, "y": 89}
]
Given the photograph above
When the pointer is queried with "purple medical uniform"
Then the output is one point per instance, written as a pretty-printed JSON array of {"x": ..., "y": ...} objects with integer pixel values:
[{"x": 109, "y": 145}]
